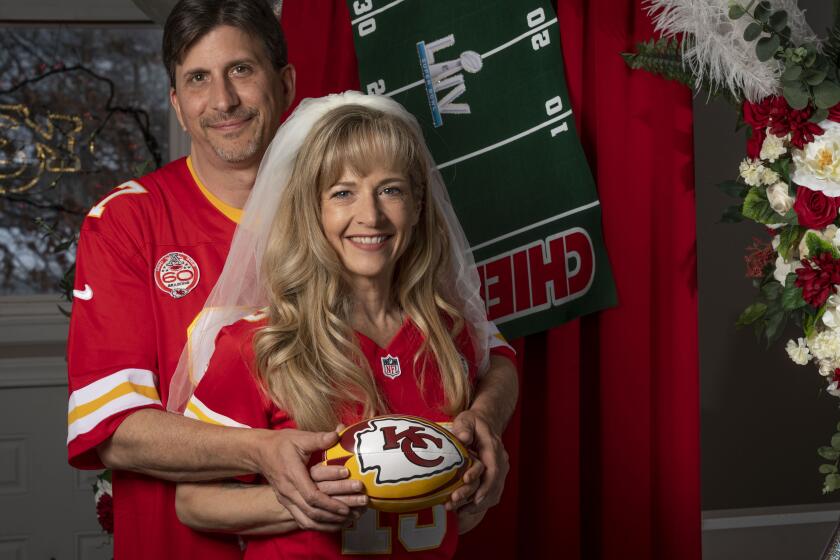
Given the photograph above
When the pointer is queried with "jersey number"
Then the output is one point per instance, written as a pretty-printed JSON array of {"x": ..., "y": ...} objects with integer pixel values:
[
  {"x": 367, "y": 537},
  {"x": 131, "y": 187}
]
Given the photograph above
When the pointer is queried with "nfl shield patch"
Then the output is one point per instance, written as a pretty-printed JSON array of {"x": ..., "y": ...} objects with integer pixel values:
[{"x": 391, "y": 366}]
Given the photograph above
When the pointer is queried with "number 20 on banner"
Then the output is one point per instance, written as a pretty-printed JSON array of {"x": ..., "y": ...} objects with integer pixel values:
[{"x": 367, "y": 25}]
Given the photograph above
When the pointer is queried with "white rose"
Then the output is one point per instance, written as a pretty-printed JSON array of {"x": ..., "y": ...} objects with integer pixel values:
[
  {"x": 818, "y": 165},
  {"x": 773, "y": 147},
  {"x": 780, "y": 200},
  {"x": 798, "y": 351},
  {"x": 833, "y": 389}
]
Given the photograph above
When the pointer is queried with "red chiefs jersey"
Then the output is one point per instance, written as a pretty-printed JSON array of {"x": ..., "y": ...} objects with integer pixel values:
[
  {"x": 148, "y": 256},
  {"x": 229, "y": 394}
]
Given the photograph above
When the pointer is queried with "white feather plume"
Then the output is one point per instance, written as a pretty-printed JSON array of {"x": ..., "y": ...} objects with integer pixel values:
[{"x": 716, "y": 49}]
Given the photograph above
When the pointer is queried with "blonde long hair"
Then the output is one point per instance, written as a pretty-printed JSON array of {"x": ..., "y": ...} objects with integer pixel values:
[{"x": 307, "y": 356}]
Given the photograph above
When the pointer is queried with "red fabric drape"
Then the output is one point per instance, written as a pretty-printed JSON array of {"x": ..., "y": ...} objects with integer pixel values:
[{"x": 605, "y": 444}]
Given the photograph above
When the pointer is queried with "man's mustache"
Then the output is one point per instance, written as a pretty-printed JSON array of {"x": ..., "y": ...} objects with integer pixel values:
[{"x": 239, "y": 114}]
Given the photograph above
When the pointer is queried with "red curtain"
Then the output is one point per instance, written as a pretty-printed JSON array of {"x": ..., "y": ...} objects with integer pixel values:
[{"x": 605, "y": 443}]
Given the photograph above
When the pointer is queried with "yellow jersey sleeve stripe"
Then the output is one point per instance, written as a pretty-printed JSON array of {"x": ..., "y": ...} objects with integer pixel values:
[
  {"x": 234, "y": 214},
  {"x": 197, "y": 410},
  {"x": 496, "y": 339},
  {"x": 83, "y": 410}
]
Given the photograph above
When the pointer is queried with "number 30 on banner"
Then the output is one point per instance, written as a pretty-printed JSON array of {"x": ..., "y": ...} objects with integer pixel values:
[{"x": 368, "y": 25}]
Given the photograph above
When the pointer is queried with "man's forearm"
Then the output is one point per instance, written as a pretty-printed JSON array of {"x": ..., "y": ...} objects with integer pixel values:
[
  {"x": 172, "y": 447},
  {"x": 497, "y": 393}
]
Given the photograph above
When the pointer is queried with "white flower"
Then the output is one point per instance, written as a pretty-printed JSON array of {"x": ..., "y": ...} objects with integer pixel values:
[
  {"x": 831, "y": 316},
  {"x": 773, "y": 147},
  {"x": 818, "y": 165},
  {"x": 783, "y": 268},
  {"x": 775, "y": 242},
  {"x": 827, "y": 367},
  {"x": 780, "y": 200},
  {"x": 798, "y": 351},
  {"x": 752, "y": 172},
  {"x": 768, "y": 176},
  {"x": 102, "y": 487},
  {"x": 833, "y": 389},
  {"x": 826, "y": 345}
]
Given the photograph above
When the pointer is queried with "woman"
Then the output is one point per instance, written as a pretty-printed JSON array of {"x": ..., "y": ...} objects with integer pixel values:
[{"x": 361, "y": 261}]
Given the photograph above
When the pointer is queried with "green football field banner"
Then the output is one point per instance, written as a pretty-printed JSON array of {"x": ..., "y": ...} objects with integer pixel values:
[{"x": 485, "y": 79}]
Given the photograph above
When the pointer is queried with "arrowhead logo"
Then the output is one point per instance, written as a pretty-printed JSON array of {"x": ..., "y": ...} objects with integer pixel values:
[{"x": 402, "y": 449}]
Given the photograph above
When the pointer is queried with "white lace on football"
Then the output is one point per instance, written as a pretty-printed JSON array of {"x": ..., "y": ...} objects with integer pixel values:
[{"x": 239, "y": 291}]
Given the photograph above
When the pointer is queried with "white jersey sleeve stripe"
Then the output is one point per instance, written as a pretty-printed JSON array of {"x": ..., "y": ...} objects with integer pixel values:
[
  {"x": 200, "y": 411},
  {"x": 88, "y": 422},
  {"x": 93, "y": 391}
]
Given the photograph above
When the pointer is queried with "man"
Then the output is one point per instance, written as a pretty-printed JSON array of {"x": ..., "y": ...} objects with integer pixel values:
[{"x": 148, "y": 256}]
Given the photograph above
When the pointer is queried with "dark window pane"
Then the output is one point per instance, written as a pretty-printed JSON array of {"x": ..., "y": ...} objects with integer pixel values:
[{"x": 82, "y": 109}]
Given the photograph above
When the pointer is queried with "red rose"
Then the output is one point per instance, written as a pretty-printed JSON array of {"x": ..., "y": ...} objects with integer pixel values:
[
  {"x": 834, "y": 113},
  {"x": 757, "y": 115},
  {"x": 105, "y": 513},
  {"x": 814, "y": 209}
]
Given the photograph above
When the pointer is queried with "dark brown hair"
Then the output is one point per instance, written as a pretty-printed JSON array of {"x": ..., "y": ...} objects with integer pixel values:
[{"x": 190, "y": 20}]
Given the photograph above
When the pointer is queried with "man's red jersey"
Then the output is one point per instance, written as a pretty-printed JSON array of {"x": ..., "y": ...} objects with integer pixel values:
[
  {"x": 229, "y": 394},
  {"x": 148, "y": 256}
]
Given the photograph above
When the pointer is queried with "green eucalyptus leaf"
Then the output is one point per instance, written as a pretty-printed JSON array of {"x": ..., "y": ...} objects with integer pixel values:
[
  {"x": 736, "y": 11},
  {"x": 826, "y": 468},
  {"x": 792, "y": 73},
  {"x": 835, "y": 442},
  {"x": 814, "y": 76},
  {"x": 828, "y": 453},
  {"x": 797, "y": 95},
  {"x": 778, "y": 20},
  {"x": 827, "y": 94},
  {"x": 762, "y": 12},
  {"x": 753, "y": 31},
  {"x": 820, "y": 114},
  {"x": 751, "y": 314},
  {"x": 766, "y": 47},
  {"x": 832, "y": 483}
]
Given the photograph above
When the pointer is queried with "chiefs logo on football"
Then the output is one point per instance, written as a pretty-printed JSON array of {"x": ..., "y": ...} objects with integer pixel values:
[{"x": 402, "y": 449}]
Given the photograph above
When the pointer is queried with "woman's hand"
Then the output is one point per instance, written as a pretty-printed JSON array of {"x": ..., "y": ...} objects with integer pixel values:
[{"x": 467, "y": 520}]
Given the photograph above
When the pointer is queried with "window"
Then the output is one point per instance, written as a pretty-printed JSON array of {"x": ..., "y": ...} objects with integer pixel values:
[{"x": 83, "y": 108}]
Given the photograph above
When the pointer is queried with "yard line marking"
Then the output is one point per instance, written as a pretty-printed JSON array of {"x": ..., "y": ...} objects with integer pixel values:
[
  {"x": 501, "y": 143},
  {"x": 374, "y": 12},
  {"x": 517, "y": 39},
  {"x": 535, "y": 225}
]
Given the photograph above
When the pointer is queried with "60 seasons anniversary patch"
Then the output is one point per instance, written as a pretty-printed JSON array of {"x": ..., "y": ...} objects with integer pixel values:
[{"x": 406, "y": 463}]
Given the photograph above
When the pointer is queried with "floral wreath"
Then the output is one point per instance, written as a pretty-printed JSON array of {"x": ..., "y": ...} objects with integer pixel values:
[{"x": 784, "y": 81}]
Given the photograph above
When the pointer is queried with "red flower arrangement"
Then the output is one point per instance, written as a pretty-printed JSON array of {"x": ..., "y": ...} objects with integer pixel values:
[
  {"x": 813, "y": 209},
  {"x": 105, "y": 513},
  {"x": 775, "y": 113}
]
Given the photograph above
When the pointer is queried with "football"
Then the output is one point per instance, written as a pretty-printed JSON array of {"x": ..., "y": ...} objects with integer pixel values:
[{"x": 406, "y": 463}]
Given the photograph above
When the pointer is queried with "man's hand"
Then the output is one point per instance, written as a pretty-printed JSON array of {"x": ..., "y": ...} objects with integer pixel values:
[
  {"x": 283, "y": 461},
  {"x": 484, "y": 481}
]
